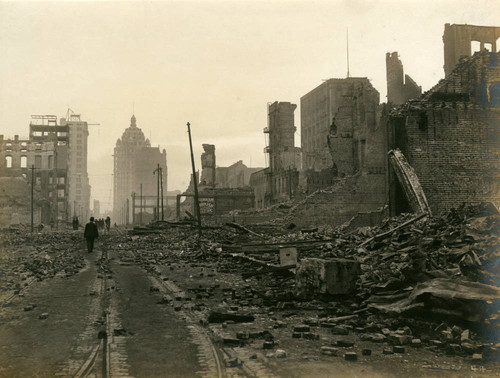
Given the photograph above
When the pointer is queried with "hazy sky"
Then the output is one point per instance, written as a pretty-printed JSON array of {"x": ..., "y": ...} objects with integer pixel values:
[{"x": 215, "y": 64}]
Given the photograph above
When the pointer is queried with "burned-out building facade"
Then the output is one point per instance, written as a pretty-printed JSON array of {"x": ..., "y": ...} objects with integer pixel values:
[
  {"x": 451, "y": 136},
  {"x": 279, "y": 182},
  {"x": 458, "y": 42},
  {"x": 58, "y": 154},
  {"x": 400, "y": 86}
]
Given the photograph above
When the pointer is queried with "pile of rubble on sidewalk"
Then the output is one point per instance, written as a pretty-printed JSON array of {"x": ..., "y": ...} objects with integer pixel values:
[{"x": 39, "y": 256}]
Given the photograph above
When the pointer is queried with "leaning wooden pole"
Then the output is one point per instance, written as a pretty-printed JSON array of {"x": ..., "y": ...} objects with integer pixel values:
[{"x": 196, "y": 198}]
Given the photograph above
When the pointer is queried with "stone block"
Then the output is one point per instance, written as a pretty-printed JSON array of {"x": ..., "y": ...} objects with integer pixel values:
[
  {"x": 320, "y": 276},
  {"x": 351, "y": 356},
  {"x": 301, "y": 328},
  {"x": 268, "y": 345},
  {"x": 398, "y": 349},
  {"x": 288, "y": 256},
  {"x": 329, "y": 351},
  {"x": 280, "y": 353}
]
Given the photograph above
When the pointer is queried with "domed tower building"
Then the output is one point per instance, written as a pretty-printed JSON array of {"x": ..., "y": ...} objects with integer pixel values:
[{"x": 134, "y": 163}]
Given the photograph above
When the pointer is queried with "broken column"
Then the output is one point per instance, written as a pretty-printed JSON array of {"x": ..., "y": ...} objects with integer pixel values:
[
  {"x": 208, "y": 165},
  {"x": 333, "y": 276}
]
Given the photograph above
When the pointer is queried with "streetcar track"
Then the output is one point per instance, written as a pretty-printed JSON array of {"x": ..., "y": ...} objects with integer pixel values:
[
  {"x": 197, "y": 332},
  {"x": 14, "y": 295}
]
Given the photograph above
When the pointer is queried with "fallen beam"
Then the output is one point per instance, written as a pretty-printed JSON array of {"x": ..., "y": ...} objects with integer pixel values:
[
  {"x": 409, "y": 182},
  {"x": 221, "y": 317},
  {"x": 383, "y": 235},
  {"x": 242, "y": 228}
]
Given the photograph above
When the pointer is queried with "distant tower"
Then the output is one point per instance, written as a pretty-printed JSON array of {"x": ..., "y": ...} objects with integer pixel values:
[{"x": 134, "y": 163}]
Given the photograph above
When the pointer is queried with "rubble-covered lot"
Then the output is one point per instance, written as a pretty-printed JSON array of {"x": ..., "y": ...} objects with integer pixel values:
[
  {"x": 427, "y": 289},
  {"x": 424, "y": 301}
]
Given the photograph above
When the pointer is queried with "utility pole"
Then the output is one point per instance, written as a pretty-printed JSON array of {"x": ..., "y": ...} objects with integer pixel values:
[
  {"x": 161, "y": 186},
  {"x": 157, "y": 172},
  {"x": 140, "y": 214},
  {"x": 196, "y": 199},
  {"x": 32, "y": 187},
  {"x": 133, "y": 208},
  {"x": 127, "y": 216}
]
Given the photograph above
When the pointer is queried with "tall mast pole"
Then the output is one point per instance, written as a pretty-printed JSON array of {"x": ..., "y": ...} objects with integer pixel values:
[
  {"x": 347, "y": 37},
  {"x": 196, "y": 198}
]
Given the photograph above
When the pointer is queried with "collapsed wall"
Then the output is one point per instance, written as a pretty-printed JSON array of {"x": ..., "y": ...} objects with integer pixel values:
[{"x": 451, "y": 136}]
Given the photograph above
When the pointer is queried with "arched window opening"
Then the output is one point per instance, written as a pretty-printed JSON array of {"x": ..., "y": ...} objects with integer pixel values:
[
  {"x": 475, "y": 46},
  {"x": 24, "y": 162}
]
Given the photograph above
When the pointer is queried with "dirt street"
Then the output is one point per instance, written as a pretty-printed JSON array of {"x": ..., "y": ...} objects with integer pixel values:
[{"x": 138, "y": 308}]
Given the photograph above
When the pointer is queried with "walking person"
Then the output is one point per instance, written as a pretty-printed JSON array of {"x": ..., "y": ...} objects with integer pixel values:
[
  {"x": 90, "y": 234},
  {"x": 108, "y": 223}
]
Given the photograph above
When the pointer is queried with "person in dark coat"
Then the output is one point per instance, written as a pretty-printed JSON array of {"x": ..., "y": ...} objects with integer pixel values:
[{"x": 90, "y": 234}]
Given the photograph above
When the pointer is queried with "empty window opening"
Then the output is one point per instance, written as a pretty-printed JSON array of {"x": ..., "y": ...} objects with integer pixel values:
[
  {"x": 488, "y": 46},
  {"x": 475, "y": 46},
  {"x": 24, "y": 161},
  {"x": 497, "y": 43},
  {"x": 8, "y": 160}
]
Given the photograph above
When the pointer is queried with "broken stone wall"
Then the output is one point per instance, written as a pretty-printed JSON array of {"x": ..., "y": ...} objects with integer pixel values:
[
  {"x": 235, "y": 176},
  {"x": 208, "y": 165},
  {"x": 400, "y": 87},
  {"x": 347, "y": 198},
  {"x": 457, "y": 42},
  {"x": 451, "y": 137}
]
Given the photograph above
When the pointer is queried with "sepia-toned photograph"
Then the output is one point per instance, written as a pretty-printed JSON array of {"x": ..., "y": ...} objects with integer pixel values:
[{"x": 250, "y": 188}]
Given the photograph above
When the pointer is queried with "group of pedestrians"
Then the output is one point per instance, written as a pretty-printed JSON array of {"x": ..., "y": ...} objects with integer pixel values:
[{"x": 92, "y": 230}]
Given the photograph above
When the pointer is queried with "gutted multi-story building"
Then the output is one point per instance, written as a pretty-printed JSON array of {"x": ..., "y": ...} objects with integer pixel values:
[
  {"x": 278, "y": 182},
  {"x": 355, "y": 100},
  {"x": 58, "y": 154},
  {"x": 134, "y": 163}
]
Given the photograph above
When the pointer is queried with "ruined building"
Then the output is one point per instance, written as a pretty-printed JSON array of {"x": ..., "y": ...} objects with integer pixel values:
[
  {"x": 134, "y": 163},
  {"x": 458, "y": 40},
  {"x": 450, "y": 136},
  {"x": 279, "y": 182},
  {"x": 236, "y": 175},
  {"x": 339, "y": 131},
  {"x": 58, "y": 153},
  {"x": 400, "y": 87}
]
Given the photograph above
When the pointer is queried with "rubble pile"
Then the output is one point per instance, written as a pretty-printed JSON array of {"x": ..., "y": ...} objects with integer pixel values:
[
  {"x": 46, "y": 266},
  {"x": 39, "y": 255}
]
